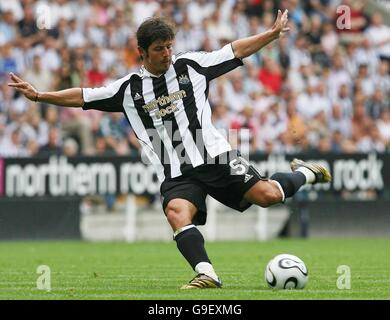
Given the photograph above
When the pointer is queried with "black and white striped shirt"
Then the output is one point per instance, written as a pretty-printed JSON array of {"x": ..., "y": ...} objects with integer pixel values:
[{"x": 170, "y": 114}]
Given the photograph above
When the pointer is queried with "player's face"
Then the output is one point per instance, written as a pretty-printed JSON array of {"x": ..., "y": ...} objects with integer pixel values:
[{"x": 158, "y": 58}]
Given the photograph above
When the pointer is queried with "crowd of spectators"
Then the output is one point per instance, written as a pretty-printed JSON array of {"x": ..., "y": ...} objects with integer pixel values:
[{"x": 323, "y": 87}]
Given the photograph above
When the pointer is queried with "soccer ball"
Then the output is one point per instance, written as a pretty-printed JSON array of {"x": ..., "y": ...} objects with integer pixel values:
[{"x": 286, "y": 271}]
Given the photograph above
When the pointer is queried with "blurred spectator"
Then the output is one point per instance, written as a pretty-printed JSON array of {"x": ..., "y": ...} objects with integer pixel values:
[
  {"x": 14, "y": 6},
  {"x": 270, "y": 76},
  {"x": 70, "y": 147},
  {"x": 361, "y": 126},
  {"x": 296, "y": 127},
  {"x": 51, "y": 119},
  {"x": 28, "y": 26},
  {"x": 308, "y": 103},
  {"x": 251, "y": 83},
  {"x": 284, "y": 55},
  {"x": 238, "y": 20},
  {"x": 365, "y": 54},
  {"x": 339, "y": 122},
  {"x": 95, "y": 76},
  {"x": 53, "y": 146},
  {"x": 131, "y": 55},
  {"x": 37, "y": 127},
  {"x": 8, "y": 62},
  {"x": 218, "y": 29},
  {"x": 83, "y": 9},
  {"x": 329, "y": 39},
  {"x": 337, "y": 142},
  {"x": 61, "y": 9},
  {"x": 41, "y": 79},
  {"x": 103, "y": 11},
  {"x": 74, "y": 36},
  {"x": 77, "y": 126},
  {"x": 318, "y": 128},
  {"x": 301, "y": 78},
  {"x": 344, "y": 100},
  {"x": 379, "y": 35},
  {"x": 272, "y": 124},
  {"x": 265, "y": 134},
  {"x": 94, "y": 32},
  {"x": 11, "y": 145},
  {"x": 235, "y": 97},
  {"x": 296, "y": 13},
  {"x": 299, "y": 53},
  {"x": 314, "y": 37},
  {"x": 111, "y": 128},
  {"x": 352, "y": 60},
  {"x": 63, "y": 77},
  {"x": 50, "y": 59},
  {"x": 2, "y": 126},
  {"x": 188, "y": 38},
  {"x": 378, "y": 144},
  {"x": 382, "y": 79},
  {"x": 101, "y": 146},
  {"x": 324, "y": 144},
  {"x": 377, "y": 104},
  {"x": 338, "y": 76},
  {"x": 383, "y": 124},
  {"x": 120, "y": 31},
  {"x": 220, "y": 117},
  {"x": 245, "y": 127},
  {"x": 8, "y": 26},
  {"x": 365, "y": 80},
  {"x": 204, "y": 9}
]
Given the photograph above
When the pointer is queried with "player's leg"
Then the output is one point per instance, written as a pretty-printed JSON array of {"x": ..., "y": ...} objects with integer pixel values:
[
  {"x": 284, "y": 185},
  {"x": 264, "y": 193},
  {"x": 185, "y": 207},
  {"x": 190, "y": 242}
]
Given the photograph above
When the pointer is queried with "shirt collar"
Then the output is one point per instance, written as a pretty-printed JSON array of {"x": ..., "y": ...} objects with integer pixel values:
[{"x": 146, "y": 73}]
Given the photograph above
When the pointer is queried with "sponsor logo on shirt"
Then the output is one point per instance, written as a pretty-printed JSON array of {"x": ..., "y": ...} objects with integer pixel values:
[{"x": 164, "y": 100}]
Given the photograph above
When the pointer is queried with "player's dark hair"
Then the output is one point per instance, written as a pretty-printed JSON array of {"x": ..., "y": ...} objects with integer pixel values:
[{"x": 153, "y": 29}]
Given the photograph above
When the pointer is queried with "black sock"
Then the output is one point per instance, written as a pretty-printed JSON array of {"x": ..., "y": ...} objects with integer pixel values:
[
  {"x": 190, "y": 243},
  {"x": 290, "y": 182}
]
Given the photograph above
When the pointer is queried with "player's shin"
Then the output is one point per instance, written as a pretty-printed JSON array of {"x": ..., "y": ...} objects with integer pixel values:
[
  {"x": 289, "y": 183},
  {"x": 190, "y": 243}
]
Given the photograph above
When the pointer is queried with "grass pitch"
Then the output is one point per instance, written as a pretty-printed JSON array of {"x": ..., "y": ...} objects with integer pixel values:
[{"x": 155, "y": 270}]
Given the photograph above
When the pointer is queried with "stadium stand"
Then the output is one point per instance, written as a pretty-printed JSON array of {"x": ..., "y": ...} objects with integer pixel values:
[{"x": 318, "y": 74}]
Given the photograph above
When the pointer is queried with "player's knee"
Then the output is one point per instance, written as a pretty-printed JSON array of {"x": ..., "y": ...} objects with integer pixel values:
[
  {"x": 177, "y": 212},
  {"x": 264, "y": 194},
  {"x": 271, "y": 196},
  {"x": 172, "y": 212}
]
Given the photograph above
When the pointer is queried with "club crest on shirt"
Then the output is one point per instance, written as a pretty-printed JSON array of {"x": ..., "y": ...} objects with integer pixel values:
[{"x": 183, "y": 79}]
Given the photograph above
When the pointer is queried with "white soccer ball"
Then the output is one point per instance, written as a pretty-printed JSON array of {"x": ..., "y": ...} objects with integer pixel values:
[{"x": 286, "y": 271}]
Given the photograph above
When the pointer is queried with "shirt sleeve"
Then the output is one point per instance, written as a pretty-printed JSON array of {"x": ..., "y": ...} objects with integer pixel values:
[
  {"x": 108, "y": 98},
  {"x": 215, "y": 63}
]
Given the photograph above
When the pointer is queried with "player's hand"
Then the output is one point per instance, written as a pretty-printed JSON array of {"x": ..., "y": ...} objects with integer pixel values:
[
  {"x": 280, "y": 25},
  {"x": 23, "y": 87}
]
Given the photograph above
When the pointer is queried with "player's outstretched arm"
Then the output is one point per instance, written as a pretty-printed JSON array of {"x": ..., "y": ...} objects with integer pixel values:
[
  {"x": 68, "y": 98},
  {"x": 245, "y": 47}
]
